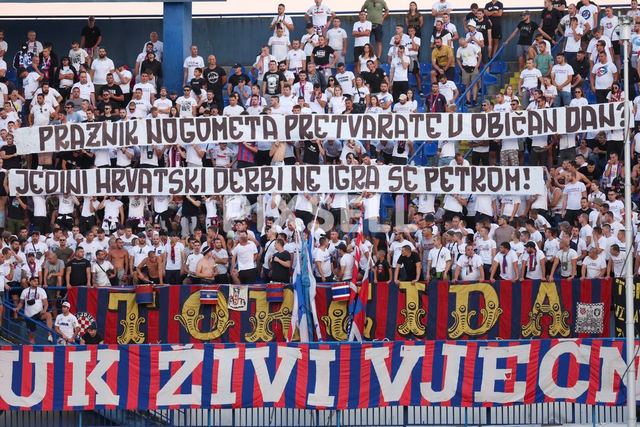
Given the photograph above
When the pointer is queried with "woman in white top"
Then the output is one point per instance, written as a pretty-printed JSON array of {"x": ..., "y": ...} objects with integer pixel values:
[
  {"x": 331, "y": 86},
  {"x": 337, "y": 101},
  {"x": 374, "y": 106},
  {"x": 413, "y": 104},
  {"x": 509, "y": 95},
  {"x": 361, "y": 92},
  {"x": 367, "y": 55}
]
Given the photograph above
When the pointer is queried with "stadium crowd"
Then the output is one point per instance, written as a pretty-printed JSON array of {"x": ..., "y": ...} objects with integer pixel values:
[{"x": 573, "y": 230}]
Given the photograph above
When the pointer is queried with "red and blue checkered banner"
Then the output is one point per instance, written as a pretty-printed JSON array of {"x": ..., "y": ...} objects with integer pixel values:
[
  {"x": 313, "y": 376},
  {"x": 437, "y": 310}
]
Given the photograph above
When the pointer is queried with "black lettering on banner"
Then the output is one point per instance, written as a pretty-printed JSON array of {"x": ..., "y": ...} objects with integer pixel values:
[
  {"x": 191, "y": 184},
  {"x": 220, "y": 180},
  {"x": 154, "y": 131},
  {"x": 203, "y": 128},
  {"x": 478, "y": 181},
  {"x": 236, "y": 175},
  {"x": 307, "y": 121},
  {"x": 395, "y": 178},
  {"x": 454, "y": 125},
  {"x": 234, "y": 122},
  {"x": 518, "y": 123},
  {"x": 252, "y": 122},
  {"x": 478, "y": 124},
  {"x": 620, "y": 107},
  {"x": 572, "y": 119},
  {"x": 203, "y": 181},
  {"x": 267, "y": 181},
  {"x": 159, "y": 177},
  {"x": 76, "y": 137},
  {"x": 269, "y": 128},
  {"x": 512, "y": 179},
  {"x": 339, "y": 121},
  {"x": 297, "y": 179},
  {"x": 118, "y": 176},
  {"x": 588, "y": 118},
  {"x": 31, "y": 183},
  {"x": 430, "y": 176},
  {"x": 535, "y": 122},
  {"x": 290, "y": 123},
  {"x": 253, "y": 180},
  {"x": 606, "y": 115},
  {"x": 46, "y": 132},
  {"x": 494, "y": 179},
  {"x": 187, "y": 135},
  {"x": 132, "y": 179},
  {"x": 92, "y": 140},
  {"x": 409, "y": 173},
  {"x": 170, "y": 130},
  {"x": 368, "y": 126},
  {"x": 51, "y": 182},
  {"x": 385, "y": 121},
  {"x": 527, "y": 178},
  {"x": 175, "y": 181},
  {"x": 84, "y": 179},
  {"x": 218, "y": 129},
  {"x": 102, "y": 181},
  {"x": 462, "y": 172},
  {"x": 110, "y": 134},
  {"x": 550, "y": 120},
  {"x": 74, "y": 181},
  {"x": 373, "y": 178},
  {"x": 355, "y": 121},
  {"x": 445, "y": 172},
  {"x": 402, "y": 126},
  {"x": 358, "y": 177},
  {"x": 145, "y": 182},
  {"x": 342, "y": 177},
  {"x": 432, "y": 120},
  {"x": 313, "y": 173},
  {"x": 494, "y": 125},
  {"x": 320, "y": 121},
  {"x": 60, "y": 132}
]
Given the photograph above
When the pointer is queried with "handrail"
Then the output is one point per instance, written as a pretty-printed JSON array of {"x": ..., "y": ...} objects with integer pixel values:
[
  {"x": 487, "y": 66},
  {"x": 7, "y": 318}
]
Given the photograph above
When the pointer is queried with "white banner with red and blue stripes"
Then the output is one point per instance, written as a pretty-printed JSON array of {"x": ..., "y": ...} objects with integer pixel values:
[{"x": 313, "y": 376}]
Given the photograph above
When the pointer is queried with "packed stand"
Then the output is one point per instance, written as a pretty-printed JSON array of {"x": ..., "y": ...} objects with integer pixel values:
[{"x": 572, "y": 230}]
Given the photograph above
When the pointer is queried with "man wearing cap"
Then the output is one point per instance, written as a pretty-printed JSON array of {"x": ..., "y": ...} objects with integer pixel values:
[
  {"x": 35, "y": 303},
  {"x": 91, "y": 336},
  {"x": 527, "y": 29},
  {"x": 473, "y": 36},
  {"x": 66, "y": 325}
]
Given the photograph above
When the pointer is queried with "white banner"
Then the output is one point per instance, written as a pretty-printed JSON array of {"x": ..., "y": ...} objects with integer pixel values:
[
  {"x": 280, "y": 179},
  {"x": 300, "y": 127}
]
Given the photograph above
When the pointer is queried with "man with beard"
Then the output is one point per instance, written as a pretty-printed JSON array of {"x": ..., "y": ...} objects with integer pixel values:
[{"x": 216, "y": 77}]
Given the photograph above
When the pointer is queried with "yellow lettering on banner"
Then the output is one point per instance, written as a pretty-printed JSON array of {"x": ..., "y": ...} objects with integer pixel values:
[
  {"x": 263, "y": 317},
  {"x": 131, "y": 323},
  {"x": 190, "y": 318},
  {"x": 462, "y": 315},
  {"x": 337, "y": 320},
  {"x": 413, "y": 314},
  {"x": 547, "y": 303}
]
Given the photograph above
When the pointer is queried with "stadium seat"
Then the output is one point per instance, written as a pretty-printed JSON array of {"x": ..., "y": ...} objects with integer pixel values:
[
  {"x": 385, "y": 67},
  {"x": 430, "y": 148},
  {"x": 425, "y": 68},
  {"x": 350, "y": 66},
  {"x": 498, "y": 67}
]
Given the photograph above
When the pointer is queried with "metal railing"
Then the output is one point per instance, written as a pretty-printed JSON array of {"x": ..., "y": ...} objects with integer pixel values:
[{"x": 539, "y": 414}]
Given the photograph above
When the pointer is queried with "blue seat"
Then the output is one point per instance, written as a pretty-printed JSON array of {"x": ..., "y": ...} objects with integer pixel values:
[
  {"x": 430, "y": 148},
  {"x": 350, "y": 66},
  {"x": 421, "y": 109},
  {"x": 498, "y": 67},
  {"x": 385, "y": 67}
]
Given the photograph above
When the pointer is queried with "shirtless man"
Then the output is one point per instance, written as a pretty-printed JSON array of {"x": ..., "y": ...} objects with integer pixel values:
[
  {"x": 149, "y": 270},
  {"x": 207, "y": 269},
  {"x": 119, "y": 257}
]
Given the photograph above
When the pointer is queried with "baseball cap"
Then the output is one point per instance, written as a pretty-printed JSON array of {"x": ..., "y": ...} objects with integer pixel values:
[
  {"x": 471, "y": 23},
  {"x": 237, "y": 65},
  {"x": 93, "y": 326},
  {"x": 66, "y": 304},
  {"x": 402, "y": 96},
  {"x": 525, "y": 13}
]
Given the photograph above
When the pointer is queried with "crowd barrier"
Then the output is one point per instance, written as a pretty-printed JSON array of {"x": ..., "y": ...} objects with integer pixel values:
[{"x": 403, "y": 311}]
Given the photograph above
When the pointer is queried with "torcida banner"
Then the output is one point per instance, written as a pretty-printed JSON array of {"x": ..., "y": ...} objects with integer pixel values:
[
  {"x": 280, "y": 179},
  {"x": 313, "y": 376},
  {"x": 300, "y": 127}
]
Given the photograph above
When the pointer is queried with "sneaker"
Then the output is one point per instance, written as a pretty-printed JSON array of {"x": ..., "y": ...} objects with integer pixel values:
[{"x": 50, "y": 338}]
